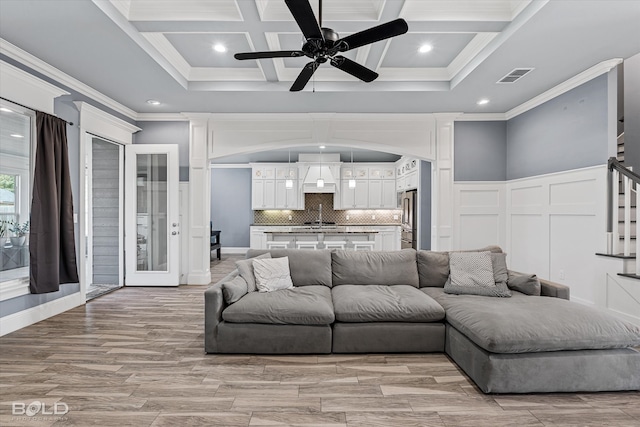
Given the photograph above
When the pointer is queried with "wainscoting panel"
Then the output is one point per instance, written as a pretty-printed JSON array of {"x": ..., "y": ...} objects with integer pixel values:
[
  {"x": 556, "y": 224},
  {"x": 623, "y": 297},
  {"x": 479, "y": 218}
]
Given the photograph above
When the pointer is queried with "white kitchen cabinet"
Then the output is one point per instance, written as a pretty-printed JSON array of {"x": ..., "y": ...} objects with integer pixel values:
[
  {"x": 355, "y": 198},
  {"x": 388, "y": 237},
  {"x": 257, "y": 238},
  {"x": 411, "y": 181},
  {"x": 389, "y": 198},
  {"x": 375, "y": 193},
  {"x": 263, "y": 194},
  {"x": 286, "y": 198}
]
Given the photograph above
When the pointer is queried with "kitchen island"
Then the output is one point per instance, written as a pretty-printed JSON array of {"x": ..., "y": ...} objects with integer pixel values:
[{"x": 322, "y": 236}]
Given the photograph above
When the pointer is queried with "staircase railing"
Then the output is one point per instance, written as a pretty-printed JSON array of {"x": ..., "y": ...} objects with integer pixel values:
[{"x": 630, "y": 184}]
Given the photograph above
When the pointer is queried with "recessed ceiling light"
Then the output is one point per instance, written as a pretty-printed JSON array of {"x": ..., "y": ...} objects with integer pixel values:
[
  {"x": 483, "y": 101},
  {"x": 15, "y": 135},
  {"x": 322, "y": 147},
  {"x": 219, "y": 48},
  {"x": 425, "y": 48},
  {"x": 6, "y": 110},
  {"x": 153, "y": 102}
]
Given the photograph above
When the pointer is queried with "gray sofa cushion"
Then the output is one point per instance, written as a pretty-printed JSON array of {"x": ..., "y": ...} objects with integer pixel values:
[
  {"x": 308, "y": 305},
  {"x": 308, "y": 268},
  {"x": 234, "y": 289},
  {"x": 433, "y": 267},
  {"x": 375, "y": 268},
  {"x": 523, "y": 324},
  {"x": 528, "y": 284},
  {"x": 245, "y": 268},
  {"x": 478, "y": 273},
  {"x": 379, "y": 303}
]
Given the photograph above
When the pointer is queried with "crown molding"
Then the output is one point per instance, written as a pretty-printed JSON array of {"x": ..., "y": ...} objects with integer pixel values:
[
  {"x": 52, "y": 72},
  {"x": 481, "y": 117},
  {"x": 161, "y": 117},
  {"x": 589, "y": 74},
  {"x": 98, "y": 122}
]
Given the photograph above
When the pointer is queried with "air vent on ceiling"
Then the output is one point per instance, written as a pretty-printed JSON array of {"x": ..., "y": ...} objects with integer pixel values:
[{"x": 515, "y": 75}]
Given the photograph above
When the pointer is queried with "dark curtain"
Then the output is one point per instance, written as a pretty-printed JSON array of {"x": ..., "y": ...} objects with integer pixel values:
[{"x": 52, "y": 244}]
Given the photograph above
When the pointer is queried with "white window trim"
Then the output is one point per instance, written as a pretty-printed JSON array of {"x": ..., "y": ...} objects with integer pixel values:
[{"x": 26, "y": 89}]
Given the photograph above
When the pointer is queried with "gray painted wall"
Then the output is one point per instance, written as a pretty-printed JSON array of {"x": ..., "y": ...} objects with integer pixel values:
[
  {"x": 480, "y": 151},
  {"x": 231, "y": 205},
  {"x": 64, "y": 109},
  {"x": 565, "y": 133},
  {"x": 106, "y": 212},
  {"x": 167, "y": 133},
  {"x": 632, "y": 112},
  {"x": 424, "y": 210}
]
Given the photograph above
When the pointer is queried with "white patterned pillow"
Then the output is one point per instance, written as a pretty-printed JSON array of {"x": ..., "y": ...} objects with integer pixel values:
[
  {"x": 472, "y": 273},
  {"x": 272, "y": 274}
]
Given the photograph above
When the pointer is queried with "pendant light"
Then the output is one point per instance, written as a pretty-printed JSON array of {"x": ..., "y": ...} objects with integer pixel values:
[
  {"x": 288, "y": 183},
  {"x": 320, "y": 182},
  {"x": 352, "y": 180}
]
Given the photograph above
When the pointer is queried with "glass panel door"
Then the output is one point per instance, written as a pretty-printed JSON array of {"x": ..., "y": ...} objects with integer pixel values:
[{"x": 152, "y": 237}]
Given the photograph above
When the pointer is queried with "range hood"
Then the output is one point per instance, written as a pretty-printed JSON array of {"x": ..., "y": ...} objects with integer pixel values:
[
  {"x": 310, "y": 183},
  {"x": 319, "y": 166}
]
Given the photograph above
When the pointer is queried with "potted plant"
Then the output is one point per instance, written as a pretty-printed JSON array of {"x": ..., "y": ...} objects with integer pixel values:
[
  {"x": 19, "y": 233},
  {"x": 4, "y": 226}
]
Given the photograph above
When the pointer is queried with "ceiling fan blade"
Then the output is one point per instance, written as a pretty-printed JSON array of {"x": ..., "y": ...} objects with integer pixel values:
[
  {"x": 304, "y": 76},
  {"x": 303, "y": 14},
  {"x": 270, "y": 54},
  {"x": 372, "y": 35},
  {"x": 353, "y": 68}
]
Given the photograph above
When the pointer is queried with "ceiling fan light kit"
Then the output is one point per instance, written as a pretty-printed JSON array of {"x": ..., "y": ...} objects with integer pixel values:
[{"x": 324, "y": 44}]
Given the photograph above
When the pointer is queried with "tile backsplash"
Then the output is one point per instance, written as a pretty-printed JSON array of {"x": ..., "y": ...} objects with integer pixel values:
[{"x": 311, "y": 202}]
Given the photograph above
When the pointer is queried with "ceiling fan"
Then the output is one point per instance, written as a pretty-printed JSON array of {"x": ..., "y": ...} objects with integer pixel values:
[{"x": 323, "y": 44}]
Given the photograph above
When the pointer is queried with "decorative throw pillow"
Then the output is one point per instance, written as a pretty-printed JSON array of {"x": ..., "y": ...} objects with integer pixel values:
[
  {"x": 472, "y": 273},
  {"x": 272, "y": 274},
  {"x": 528, "y": 284},
  {"x": 245, "y": 268},
  {"x": 234, "y": 289}
]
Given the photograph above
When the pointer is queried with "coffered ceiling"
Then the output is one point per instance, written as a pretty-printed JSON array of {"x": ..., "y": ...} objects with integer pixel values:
[{"x": 135, "y": 50}]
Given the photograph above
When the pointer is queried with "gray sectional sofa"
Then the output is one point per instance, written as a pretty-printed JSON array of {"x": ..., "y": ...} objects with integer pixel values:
[{"x": 390, "y": 302}]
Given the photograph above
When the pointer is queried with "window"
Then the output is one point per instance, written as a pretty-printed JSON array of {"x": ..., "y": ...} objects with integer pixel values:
[{"x": 16, "y": 141}]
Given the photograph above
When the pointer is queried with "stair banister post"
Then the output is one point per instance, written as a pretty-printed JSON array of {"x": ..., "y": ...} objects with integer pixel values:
[
  {"x": 627, "y": 216},
  {"x": 615, "y": 203}
]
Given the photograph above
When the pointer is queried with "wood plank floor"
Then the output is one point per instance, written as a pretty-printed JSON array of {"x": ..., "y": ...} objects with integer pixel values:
[{"x": 135, "y": 357}]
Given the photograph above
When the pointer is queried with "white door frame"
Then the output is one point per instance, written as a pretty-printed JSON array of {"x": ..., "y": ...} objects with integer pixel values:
[
  {"x": 89, "y": 138},
  {"x": 170, "y": 277},
  {"x": 98, "y": 123}
]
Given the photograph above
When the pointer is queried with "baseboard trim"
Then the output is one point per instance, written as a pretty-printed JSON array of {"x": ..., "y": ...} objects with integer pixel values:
[
  {"x": 234, "y": 250},
  {"x": 28, "y": 317},
  {"x": 199, "y": 278}
]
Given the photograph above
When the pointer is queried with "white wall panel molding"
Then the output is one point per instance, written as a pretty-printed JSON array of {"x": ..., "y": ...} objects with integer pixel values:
[
  {"x": 21, "y": 87},
  {"x": 555, "y": 224},
  {"x": 199, "y": 272},
  {"x": 480, "y": 214},
  {"x": 40, "y": 66},
  {"x": 442, "y": 208}
]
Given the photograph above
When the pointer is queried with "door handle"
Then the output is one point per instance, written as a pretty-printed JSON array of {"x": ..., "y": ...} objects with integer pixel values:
[
  {"x": 175, "y": 224},
  {"x": 173, "y": 233}
]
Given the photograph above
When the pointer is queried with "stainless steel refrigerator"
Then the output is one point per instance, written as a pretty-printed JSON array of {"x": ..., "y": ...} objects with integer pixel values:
[{"x": 409, "y": 227}]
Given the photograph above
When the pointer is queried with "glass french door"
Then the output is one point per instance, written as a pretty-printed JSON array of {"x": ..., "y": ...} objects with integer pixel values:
[{"x": 152, "y": 228}]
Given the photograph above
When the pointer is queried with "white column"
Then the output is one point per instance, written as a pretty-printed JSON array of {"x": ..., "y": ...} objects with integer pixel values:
[
  {"x": 199, "y": 272},
  {"x": 442, "y": 199}
]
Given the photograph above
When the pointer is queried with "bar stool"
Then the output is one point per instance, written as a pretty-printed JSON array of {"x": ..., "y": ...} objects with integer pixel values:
[
  {"x": 366, "y": 245},
  {"x": 335, "y": 244},
  {"x": 278, "y": 244},
  {"x": 313, "y": 244}
]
